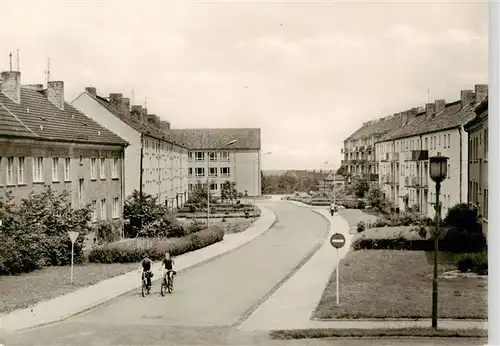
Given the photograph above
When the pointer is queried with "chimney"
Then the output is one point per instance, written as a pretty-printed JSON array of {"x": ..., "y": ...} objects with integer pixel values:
[
  {"x": 481, "y": 91},
  {"x": 144, "y": 115},
  {"x": 439, "y": 105},
  {"x": 116, "y": 101},
  {"x": 11, "y": 85},
  {"x": 164, "y": 125},
  {"x": 92, "y": 91},
  {"x": 430, "y": 110},
  {"x": 412, "y": 113},
  {"x": 153, "y": 119},
  {"x": 55, "y": 93},
  {"x": 136, "y": 112},
  {"x": 126, "y": 106},
  {"x": 466, "y": 97},
  {"x": 37, "y": 87}
]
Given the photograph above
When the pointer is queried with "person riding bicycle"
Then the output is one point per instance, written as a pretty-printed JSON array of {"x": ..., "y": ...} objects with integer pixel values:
[
  {"x": 168, "y": 265},
  {"x": 146, "y": 265}
]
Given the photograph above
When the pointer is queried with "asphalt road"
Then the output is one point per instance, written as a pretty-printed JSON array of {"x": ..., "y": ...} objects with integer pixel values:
[{"x": 208, "y": 301}]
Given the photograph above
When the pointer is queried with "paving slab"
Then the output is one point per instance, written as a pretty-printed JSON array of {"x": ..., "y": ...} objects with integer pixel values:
[{"x": 85, "y": 298}]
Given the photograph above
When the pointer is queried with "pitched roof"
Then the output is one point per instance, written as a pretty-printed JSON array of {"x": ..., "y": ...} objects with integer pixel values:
[
  {"x": 450, "y": 117},
  {"x": 136, "y": 124},
  {"x": 481, "y": 111},
  {"x": 38, "y": 117},
  {"x": 377, "y": 127},
  {"x": 247, "y": 138}
]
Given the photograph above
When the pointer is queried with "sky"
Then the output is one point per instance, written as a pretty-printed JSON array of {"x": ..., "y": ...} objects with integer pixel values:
[{"x": 308, "y": 73}]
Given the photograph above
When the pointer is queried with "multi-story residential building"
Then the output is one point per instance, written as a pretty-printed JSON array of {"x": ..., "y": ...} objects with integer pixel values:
[
  {"x": 477, "y": 129},
  {"x": 239, "y": 163},
  {"x": 45, "y": 141},
  {"x": 359, "y": 149},
  {"x": 403, "y": 154},
  {"x": 164, "y": 159}
]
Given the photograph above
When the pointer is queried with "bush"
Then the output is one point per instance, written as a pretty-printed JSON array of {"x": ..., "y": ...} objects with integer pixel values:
[
  {"x": 402, "y": 219},
  {"x": 195, "y": 226},
  {"x": 361, "y": 226},
  {"x": 118, "y": 253},
  {"x": 464, "y": 232},
  {"x": 474, "y": 262},
  {"x": 361, "y": 204},
  {"x": 247, "y": 215},
  {"x": 397, "y": 243},
  {"x": 107, "y": 232},
  {"x": 35, "y": 232}
]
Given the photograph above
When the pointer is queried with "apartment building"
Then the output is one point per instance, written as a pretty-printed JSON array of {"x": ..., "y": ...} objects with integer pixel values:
[
  {"x": 164, "y": 158},
  {"x": 403, "y": 154},
  {"x": 239, "y": 162},
  {"x": 359, "y": 149},
  {"x": 477, "y": 130},
  {"x": 45, "y": 141}
]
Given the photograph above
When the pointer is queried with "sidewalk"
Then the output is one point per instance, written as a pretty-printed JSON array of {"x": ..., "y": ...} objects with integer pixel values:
[
  {"x": 83, "y": 299},
  {"x": 291, "y": 306}
]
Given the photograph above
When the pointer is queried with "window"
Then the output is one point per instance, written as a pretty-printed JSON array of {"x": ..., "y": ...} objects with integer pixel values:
[
  {"x": 190, "y": 156},
  {"x": 449, "y": 142},
  {"x": 224, "y": 172},
  {"x": 485, "y": 144},
  {"x": 10, "y": 171},
  {"x": 116, "y": 209},
  {"x": 485, "y": 204},
  {"x": 104, "y": 215},
  {"x": 212, "y": 156},
  {"x": 102, "y": 168},
  {"x": 449, "y": 171},
  {"x": 199, "y": 171},
  {"x": 213, "y": 172},
  {"x": 426, "y": 144},
  {"x": 444, "y": 141},
  {"x": 114, "y": 171},
  {"x": 67, "y": 169},
  {"x": 94, "y": 211},
  {"x": 190, "y": 172},
  {"x": 80, "y": 191},
  {"x": 224, "y": 155},
  {"x": 81, "y": 160},
  {"x": 199, "y": 156},
  {"x": 93, "y": 168},
  {"x": 20, "y": 171},
  {"x": 38, "y": 169},
  {"x": 213, "y": 187},
  {"x": 190, "y": 187},
  {"x": 55, "y": 169}
]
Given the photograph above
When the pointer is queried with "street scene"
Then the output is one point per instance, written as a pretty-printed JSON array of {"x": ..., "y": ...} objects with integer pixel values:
[{"x": 258, "y": 173}]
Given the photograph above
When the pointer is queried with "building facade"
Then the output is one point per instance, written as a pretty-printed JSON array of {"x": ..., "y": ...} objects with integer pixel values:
[
  {"x": 239, "y": 163},
  {"x": 477, "y": 147},
  {"x": 44, "y": 141},
  {"x": 164, "y": 160},
  {"x": 403, "y": 155}
]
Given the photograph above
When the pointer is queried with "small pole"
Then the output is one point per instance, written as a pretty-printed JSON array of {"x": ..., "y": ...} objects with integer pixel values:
[
  {"x": 337, "y": 275},
  {"x": 72, "y": 255},
  {"x": 10, "y": 61}
]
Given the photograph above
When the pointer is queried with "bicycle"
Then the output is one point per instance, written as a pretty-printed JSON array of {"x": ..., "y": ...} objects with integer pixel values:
[
  {"x": 167, "y": 284},
  {"x": 146, "y": 288}
]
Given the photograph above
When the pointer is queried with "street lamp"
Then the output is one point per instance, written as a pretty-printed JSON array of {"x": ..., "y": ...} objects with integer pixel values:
[
  {"x": 334, "y": 192},
  {"x": 268, "y": 153},
  {"x": 438, "y": 170},
  {"x": 208, "y": 175}
]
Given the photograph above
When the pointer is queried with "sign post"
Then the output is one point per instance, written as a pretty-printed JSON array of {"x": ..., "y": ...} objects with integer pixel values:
[
  {"x": 72, "y": 236},
  {"x": 337, "y": 241}
]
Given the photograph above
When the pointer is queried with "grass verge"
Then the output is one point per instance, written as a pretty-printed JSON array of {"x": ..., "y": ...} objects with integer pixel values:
[
  {"x": 398, "y": 284},
  {"x": 382, "y": 332}
]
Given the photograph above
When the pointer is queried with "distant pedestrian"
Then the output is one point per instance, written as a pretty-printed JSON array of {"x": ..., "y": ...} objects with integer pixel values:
[{"x": 333, "y": 208}]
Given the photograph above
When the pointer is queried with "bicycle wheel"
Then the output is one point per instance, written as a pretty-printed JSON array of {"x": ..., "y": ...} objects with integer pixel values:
[
  {"x": 171, "y": 285},
  {"x": 144, "y": 289},
  {"x": 163, "y": 288}
]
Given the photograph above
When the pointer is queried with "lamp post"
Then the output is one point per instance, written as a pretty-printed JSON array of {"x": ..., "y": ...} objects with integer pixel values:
[
  {"x": 333, "y": 188},
  {"x": 208, "y": 175},
  {"x": 268, "y": 153},
  {"x": 438, "y": 170}
]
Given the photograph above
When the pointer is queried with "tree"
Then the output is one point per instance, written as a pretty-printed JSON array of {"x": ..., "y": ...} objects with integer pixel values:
[
  {"x": 377, "y": 199},
  {"x": 199, "y": 195},
  {"x": 141, "y": 213},
  {"x": 340, "y": 171},
  {"x": 228, "y": 191},
  {"x": 360, "y": 187},
  {"x": 464, "y": 232}
]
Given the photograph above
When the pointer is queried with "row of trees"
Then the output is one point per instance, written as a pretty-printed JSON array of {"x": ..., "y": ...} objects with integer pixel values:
[{"x": 286, "y": 184}]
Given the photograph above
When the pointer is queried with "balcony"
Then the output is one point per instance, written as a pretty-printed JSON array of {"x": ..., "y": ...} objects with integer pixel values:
[
  {"x": 394, "y": 157},
  {"x": 362, "y": 161},
  {"x": 341, "y": 150},
  {"x": 385, "y": 157},
  {"x": 353, "y": 162},
  {"x": 368, "y": 147},
  {"x": 416, "y": 155}
]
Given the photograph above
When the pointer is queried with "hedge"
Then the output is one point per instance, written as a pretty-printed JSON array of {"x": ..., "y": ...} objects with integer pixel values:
[{"x": 117, "y": 253}]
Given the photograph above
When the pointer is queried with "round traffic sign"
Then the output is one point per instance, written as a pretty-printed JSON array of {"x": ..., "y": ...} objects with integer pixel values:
[{"x": 337, "y": 240}]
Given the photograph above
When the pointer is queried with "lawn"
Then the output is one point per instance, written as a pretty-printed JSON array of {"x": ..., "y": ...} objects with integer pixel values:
[
  {"x": 398, "y": 284},
  {"x": 21, "y": 291}
]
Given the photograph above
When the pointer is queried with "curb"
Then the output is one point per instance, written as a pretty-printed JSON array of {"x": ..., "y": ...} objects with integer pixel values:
[
  {"x": 97, "y": 302},
  {"x": 308, "y": 256}
]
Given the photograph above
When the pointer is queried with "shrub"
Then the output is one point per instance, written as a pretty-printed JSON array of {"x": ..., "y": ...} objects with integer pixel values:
[
  {"x": 107, "y": 232},
  {"x": 118, "y": 253},
  {"x": 475, "y": 262},
  {"x": 35, "y": 232},
  {"x": 397, "y": 243},
  {"x": 195, "y": 226},
  {"x": 361, "y": 204},
  {"x": 247, "y": 215},
  {"x": 361, "y": 226}
]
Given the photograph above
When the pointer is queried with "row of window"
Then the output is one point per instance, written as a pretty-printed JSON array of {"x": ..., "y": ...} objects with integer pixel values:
[
  {"x": 475, "y": 197},
  {"x": 214, "y": 156},
  {"x": 150, "y": 144},
  {"x": 213, "y": 186},
  {"x": 200, "y": 172},
  {"x": 430, "y": 143},
  {"x": 115, "y": 211}
]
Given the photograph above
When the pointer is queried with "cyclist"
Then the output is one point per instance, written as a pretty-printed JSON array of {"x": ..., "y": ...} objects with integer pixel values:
[
  {"x": 146, "y": 265},
  {"x": 168, "y": 265}
]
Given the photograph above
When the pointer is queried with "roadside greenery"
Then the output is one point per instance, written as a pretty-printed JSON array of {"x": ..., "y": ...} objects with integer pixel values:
[{"x": 34, "y": 232}]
